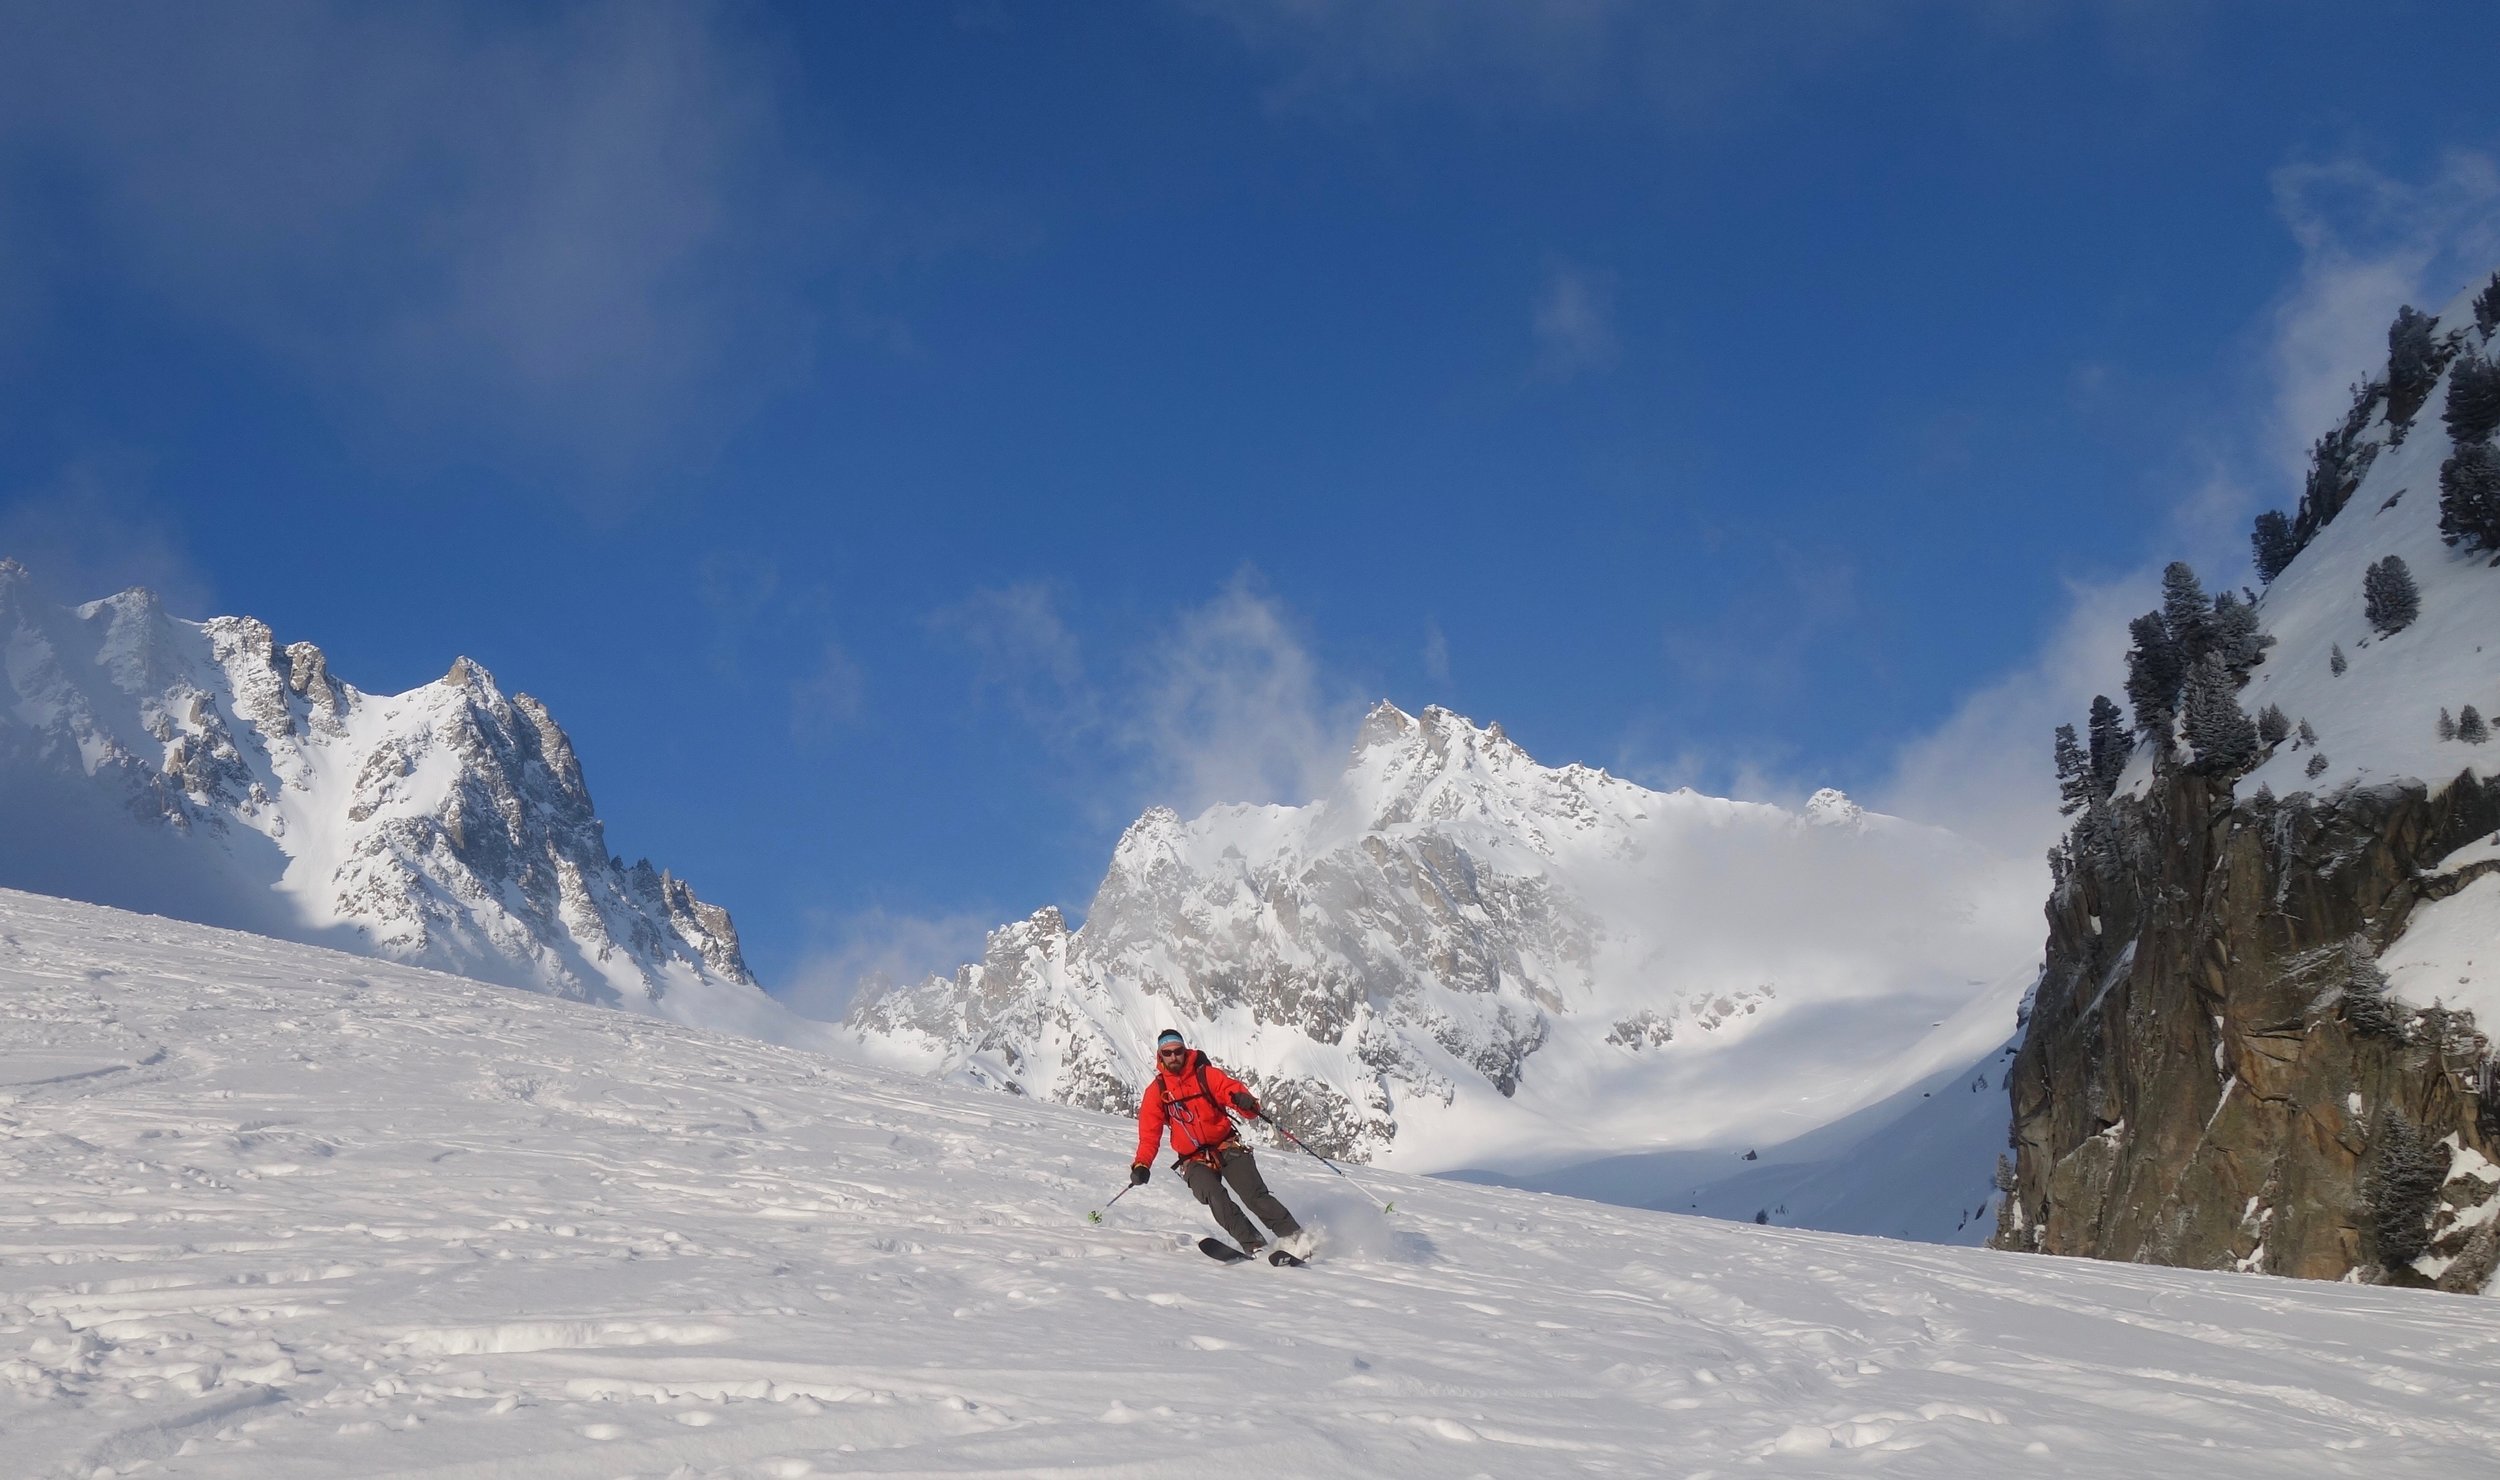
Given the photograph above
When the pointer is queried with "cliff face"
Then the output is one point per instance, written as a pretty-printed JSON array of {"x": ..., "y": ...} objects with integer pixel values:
[{"x": 2203, "y": 1080}]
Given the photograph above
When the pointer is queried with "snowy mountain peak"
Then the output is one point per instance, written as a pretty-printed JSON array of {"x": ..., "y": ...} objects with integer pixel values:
[
  {"x": 448, "y": 826},
  {"x": 1831, "y": 807},
  {"x": 1461, "y": 957}
]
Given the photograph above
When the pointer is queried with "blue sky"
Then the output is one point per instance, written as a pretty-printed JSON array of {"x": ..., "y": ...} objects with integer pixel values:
[{"x": 902, "y": 441}]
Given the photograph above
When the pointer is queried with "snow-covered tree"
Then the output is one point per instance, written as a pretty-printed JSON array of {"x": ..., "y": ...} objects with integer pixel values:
[
  {"x": 2154, "y": 674},
  {"x": 2335, "y": 662},
  {"x": 2074, "y": 772},
  {"x": 2473, "y": 399},
  {"x": 2316, "y": 767},
  {"x": 2274, "y": 545},
  {"x": 2273, "y": 726},
  {"x": 2366, "y": 1003},
  {"x": 2308, "y": 736},
  {"x": 2232, "y": 631},
  {"x": 2389, "y": 599},
  {"x": 2445, "y": 727},
  {"x": 2185, "y": 613},
  {"x": 2109, "y": 745},
  {"x": 2469, "y": 497},
  {"x": 2218, "y": 729},
  {"x": 2412, "y": 363},
  {"x": 2470, "y": 726}
]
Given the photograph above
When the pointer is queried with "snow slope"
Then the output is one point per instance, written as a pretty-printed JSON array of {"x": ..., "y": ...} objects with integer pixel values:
[
  {"x": 2377, "y": 722},
  {"x": 200, "y": 769},
  {"x": 279, "y": 1213},
  {"x": 1463, "y": 959}
]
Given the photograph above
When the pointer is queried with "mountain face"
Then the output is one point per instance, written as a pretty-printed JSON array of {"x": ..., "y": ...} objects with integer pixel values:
[
  {"x": 201, "y": 769},
  {"x": 2274, "y": 953},
  {"x": 1460, "y": 958}
]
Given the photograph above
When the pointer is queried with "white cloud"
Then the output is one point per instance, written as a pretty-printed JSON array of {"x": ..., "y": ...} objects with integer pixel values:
[
  {"x": 577, "y": 235},
  {"x": 1025, "y": 653},
  {"x": 1231, "y": 707},
  {"x": 878, "y": 947},
  {"x": 1573, "y": 320},
  {"x": 1985, "y": 771},
  {"x": 1436, "y": 654},
  {"x": 94, "y": 531},
  {"x": 2369, "y": 242}
]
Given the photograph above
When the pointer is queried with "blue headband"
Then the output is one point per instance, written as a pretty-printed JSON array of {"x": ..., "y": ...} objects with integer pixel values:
[{"x": 1169, "y": 1035}]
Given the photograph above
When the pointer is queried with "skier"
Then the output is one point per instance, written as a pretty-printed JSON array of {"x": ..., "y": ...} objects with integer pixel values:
[{"x": 1189, "y": 1096}]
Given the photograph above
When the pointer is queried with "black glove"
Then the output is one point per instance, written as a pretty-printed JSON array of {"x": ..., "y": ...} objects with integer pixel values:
[
  {"x": 1138, "y": 1174},
  {"x": 1246, "y": 1105}
]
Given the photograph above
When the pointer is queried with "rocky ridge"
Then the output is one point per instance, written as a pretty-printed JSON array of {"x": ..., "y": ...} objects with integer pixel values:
[{"x": 447, "y": 827}]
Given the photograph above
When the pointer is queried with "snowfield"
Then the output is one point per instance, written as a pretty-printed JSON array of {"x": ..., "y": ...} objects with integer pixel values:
[{"x": 277, "y": 1212}]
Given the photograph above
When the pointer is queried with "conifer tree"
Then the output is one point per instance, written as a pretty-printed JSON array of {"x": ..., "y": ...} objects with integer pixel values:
[
  {"x": 2219, "y": 730},
  {"x": 2469, "y": 497},
  {"x": 2470, "y": 726},
  {"x": 2273, "y": 726},
  {"x": 2185, "y": 613},
  {"x": 2316, "y": 767},
  {"x": 2154, "y": 674},
  {"x": 2473, "y": 399},
  {"x": 2335, "y": 663},
  {"x": 2487, "y": 305},
  {"x": 2412, "y": 363},
  {"x": 2232, "y": 631},
  {"x": 2074, "y": 773},
  {"x": 2446, "y": 725},
  {"x": 2110, "y": 745},
  {"x": 2274, "y": 545},
  {"x": 2308, "y": 736},
  {"x": 2389, "y": 599}
]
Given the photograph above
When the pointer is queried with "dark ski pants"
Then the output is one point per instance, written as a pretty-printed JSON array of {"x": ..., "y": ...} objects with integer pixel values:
[{"x": 1243, "y": 1173}]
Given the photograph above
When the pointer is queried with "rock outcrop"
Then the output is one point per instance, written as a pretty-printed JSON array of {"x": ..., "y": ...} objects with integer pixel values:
[
  {"x": 2255, "y": 1043},
  {"x": 2210, "y": 1074}
]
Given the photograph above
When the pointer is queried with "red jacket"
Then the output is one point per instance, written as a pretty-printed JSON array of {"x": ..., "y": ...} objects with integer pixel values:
[{"x": 1191, "y": 1104}]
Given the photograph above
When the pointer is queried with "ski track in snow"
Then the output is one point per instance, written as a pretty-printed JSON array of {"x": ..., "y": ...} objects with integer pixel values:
[{"x": 284, "y": 1214}]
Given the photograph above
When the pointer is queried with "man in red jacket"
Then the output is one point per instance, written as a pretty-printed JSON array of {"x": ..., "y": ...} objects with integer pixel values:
[{"x": 1190, "y": 1098}]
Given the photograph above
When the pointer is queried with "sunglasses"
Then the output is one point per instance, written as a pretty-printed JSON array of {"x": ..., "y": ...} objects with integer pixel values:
[{"x": 1174, "y": 1052}]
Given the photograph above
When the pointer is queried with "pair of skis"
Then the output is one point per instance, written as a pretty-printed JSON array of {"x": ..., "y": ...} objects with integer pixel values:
[{"x": 1224, "y": 1253}]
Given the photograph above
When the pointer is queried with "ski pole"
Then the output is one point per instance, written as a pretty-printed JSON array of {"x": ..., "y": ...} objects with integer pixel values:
[
  {"x": 1096, "y": 1215},
  {"x": 1332, "y": 1166}
]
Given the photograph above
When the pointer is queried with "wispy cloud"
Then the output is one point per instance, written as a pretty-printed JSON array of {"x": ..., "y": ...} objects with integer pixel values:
[
  {"x": 1436, "y": 655},
  {"x": 1223, "y": 702},
  {"x": 2369, "y": 242},
  {"x": 577, "y": 235},
  {"x": 1690, "y": 64},
  {"x": 879, "y": 947},
  {"x": 1232, "y": 707},
  {"x": 828, "y": 697},
  {"x": 95, "y": 530},
  {"x": 1025, "y": 654},
  {"x": 1573, "y": 321}
]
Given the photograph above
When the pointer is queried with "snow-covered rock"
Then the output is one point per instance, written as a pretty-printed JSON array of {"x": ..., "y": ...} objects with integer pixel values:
[
  {"x": 1463, "y": 959},
  {"x": 203, "y": 769}
]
